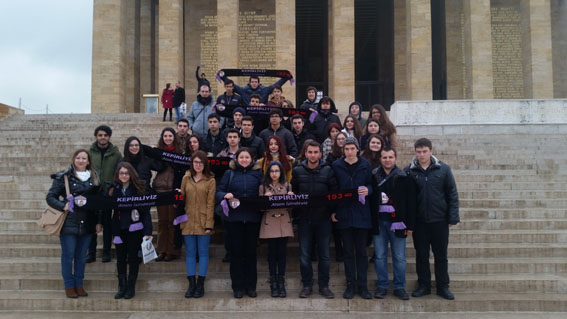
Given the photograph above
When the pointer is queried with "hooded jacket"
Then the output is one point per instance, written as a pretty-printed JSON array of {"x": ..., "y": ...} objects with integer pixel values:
[
  {"x": 318, "y": 181},
  {"x": 437, "y": 197},
  {"x": 322, "y": 121},
  {"x": 245, "y": 183},
  {"x": 81, "y": 221},
  {"x": 106, "y": 165}
]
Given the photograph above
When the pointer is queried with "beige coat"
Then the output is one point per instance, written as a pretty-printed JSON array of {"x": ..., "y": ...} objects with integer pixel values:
[
  {"x": 199, "y": 204},
  {"x": 276, "y": 223}
]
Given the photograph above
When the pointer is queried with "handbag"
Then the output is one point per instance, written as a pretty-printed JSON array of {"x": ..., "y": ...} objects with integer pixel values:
[
  {"x": 52, "y": 220},
  {"x": 148, "y": 250}
]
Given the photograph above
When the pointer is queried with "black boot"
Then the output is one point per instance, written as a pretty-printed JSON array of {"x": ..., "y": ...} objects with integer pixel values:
[
  {"x": 121, "y": 287},
  {"x": 131, "y": 286},
  {"x": 200, "y": 290},
  {"x": 281, "y": 286},
  {"x": 349, "y": 291},
  {"x": 275, "y": 292},
  {"x": 191, "y": 290}
]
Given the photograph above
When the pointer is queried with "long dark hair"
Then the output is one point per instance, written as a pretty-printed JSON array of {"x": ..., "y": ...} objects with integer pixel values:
[
  {"x": 134, "y": 177},
  {"x": 267, "y": 180},
  {"x": 387, "y": 128},
  {"x": 161, "y": 143},
  {"x": 284, "y": 159},
  {"x": 336, "y": 150},
  {"x": 371, "y": 156},
  {"x": 201, "y": 144},
  {"x": 357, "y": 131},
  {"x": 128, "y": 156},
  {"x": 206, "y": 167}
]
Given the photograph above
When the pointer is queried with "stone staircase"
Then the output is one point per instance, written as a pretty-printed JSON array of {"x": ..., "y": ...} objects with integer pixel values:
[{"x": 508, "y": 254}]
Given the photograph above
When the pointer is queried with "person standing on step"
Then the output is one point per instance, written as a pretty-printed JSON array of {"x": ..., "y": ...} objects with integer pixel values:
[
  {"x": 393, "y": 206},
  {"x": 229, "y": 98},
  {"x": 129, "y": 227},
  {"x": 437, "y": 210},
  {"x": 178, "y": 98},
  {"x": 198, "y": 189},
  {"x": 167, "y": 100},
  {"x": 353, "y": 219},
  {"x": 104, "y": 157},
  {"x": 249, "y": 139},
  {"x": 79, "y": 225},
  {"x": 276, "y": 227},
  {"x": 314, "y": 177},
  {"x": 200, "y": 110},
  {"x": 144, "y": 165},
  {"x": 242, "y": 180}
]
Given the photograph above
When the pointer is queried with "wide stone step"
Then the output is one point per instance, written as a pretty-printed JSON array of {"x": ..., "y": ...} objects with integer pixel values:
[
  {"x": 157, "y": 283},
  {"x": 223, "y": 301},
  {"x": 455, "y": 250},
  {"x": 519, "y": 213}
]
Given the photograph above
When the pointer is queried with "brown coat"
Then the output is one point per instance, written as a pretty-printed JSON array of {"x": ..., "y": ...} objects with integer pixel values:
[
  {"x": 276, "y": 223},
  {"x": 199, "y": 204},
  {"x": 163, "y": 182}
]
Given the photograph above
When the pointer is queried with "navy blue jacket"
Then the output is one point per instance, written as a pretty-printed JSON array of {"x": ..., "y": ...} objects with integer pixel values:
[
  {"x": 245, "y": 183},
  {"x": 354, "y": 214}
]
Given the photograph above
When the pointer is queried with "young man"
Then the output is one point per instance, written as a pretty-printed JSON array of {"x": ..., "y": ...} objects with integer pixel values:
[
  {"x": 229, "y": 98},
  {"x": 324, "y": 118},
  {"x": 353, "y": 219},
  {"x": 183, "y": 133},
  {"x": 254, "y": 87},
  {"x": 232, "y": 140},
  {"x": 261, "y": 122},
  {"x": 277, "y": 98},
  {"x": 237, "y": 116},
  {"x": 299, "y": 134},
  {"x": 311, "y": 102},
  {"x": 200, "y": 110},
  {"x": 104, "y": 157},
  {"x": 249, "y": 139},
  {"x": 392, "y": 222},
  {"x": 276, "y": 128},
  {"x": 214, "y": 141},
  {"x": 437, "y": 209},
  {"x": 178, "y": 98},
  {"x": 315, "y": 177}
]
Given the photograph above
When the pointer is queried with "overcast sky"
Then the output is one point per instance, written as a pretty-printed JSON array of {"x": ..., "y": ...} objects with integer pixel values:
[{"x": 45, "y": 54}]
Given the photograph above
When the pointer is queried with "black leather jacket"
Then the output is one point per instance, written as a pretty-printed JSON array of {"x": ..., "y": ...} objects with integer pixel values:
[{"x": 318, "y": 181}]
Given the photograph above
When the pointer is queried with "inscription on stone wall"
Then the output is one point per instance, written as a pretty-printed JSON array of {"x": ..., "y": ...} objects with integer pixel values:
[
  {"x": 507, "y": 52},
  {"x": 256, "y": 40},
  {"x": 208, "y": 41}
]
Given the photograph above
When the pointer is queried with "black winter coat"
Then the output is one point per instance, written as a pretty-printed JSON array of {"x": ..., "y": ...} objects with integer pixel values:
[
  {"x": 122, "y": 218},
  {"x": 80, "y": 221},
  {"x": 318, "y": 181},
  {"x": 255, "y": 143},
  {"x": 144, "y": 168},
  {"x": 215, "y": 144},
  {"x": 437, "y": 197}
]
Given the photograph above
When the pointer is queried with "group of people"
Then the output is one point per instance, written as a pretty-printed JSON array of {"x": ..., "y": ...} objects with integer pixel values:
[{"x": 315, "y": 156}]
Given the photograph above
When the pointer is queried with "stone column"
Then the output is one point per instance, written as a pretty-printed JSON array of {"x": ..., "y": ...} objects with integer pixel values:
[
  {"x": 108, "y": 70},
  {"x": 341, "y": 47},
  {"x": 400, "y": 52},
  {"x": 538, "y": 58},
  {"x": 285, "y": 42},
  {"x": 170, "y": 44},
  {"x": 145, "y": 52},
  {"x": 227, "y": 35},
  {"x": 418, "y": 48},
  {"x": 478, "y": 50}
]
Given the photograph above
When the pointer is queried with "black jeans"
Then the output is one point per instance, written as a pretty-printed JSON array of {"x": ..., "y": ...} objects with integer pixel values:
[
  {"x": 276, "y": 255},
  {"x": 106, "y": 234},
  {"x": 435, "y": 235},
  {"x": 243, "y": 238},
  {"x": 165, "y": 112},
  {"x": 321, "y": 232},
  {"x": 129, "y": 252},
  {"x": 356, "y": 261}
]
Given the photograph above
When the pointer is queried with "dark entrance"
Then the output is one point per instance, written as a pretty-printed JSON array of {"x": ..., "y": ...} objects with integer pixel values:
[
  {"x": 374, "y": 52},
  {"x": 311, "y": 36},
  {"x": 438, "y": 50}
]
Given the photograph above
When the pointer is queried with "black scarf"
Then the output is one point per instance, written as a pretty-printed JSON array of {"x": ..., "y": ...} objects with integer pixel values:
[
  {"x": 285, "y": 74},
  {"x": 204, "y": 100},
  {"x": 258, "y": 111}
]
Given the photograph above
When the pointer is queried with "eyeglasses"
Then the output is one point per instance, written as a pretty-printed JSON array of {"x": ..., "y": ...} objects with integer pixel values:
[{"x": 197, "y": 163}]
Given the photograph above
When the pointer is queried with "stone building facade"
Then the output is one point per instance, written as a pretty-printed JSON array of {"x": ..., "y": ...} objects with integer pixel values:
[{"x": 374, "y": 51}]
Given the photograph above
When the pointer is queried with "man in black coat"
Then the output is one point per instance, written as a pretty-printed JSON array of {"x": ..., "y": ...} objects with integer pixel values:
[
  {"x": 178, "y": 98},
  {"x": 393, "y": 206},
  {"x": 214, "y": 140},
  {"x": 249, "y": 139},
  {"x": 276, "y": 128},
  {"x": 299, "y": 133},
  {"x": 315, "y": 177},
  {"x": 437, "y": 209}
]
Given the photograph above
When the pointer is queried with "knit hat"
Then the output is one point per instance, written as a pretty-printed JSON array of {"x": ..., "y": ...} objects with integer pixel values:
[
  {"x": 351, "y": 140},
  {"x": 239, "y": 110}
]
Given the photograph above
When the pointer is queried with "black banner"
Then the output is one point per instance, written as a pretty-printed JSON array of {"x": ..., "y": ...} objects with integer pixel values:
[
  {"x": 165, "y": 156},
  {"x": 98, "y": 202},
  {"x": 257, "y": 72},
  {"x": 258, "y": 111}
]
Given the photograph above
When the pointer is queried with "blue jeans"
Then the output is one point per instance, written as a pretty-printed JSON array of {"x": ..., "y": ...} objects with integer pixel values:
[
  {"x": 73, "y": 255},
  {"x": 398, "y": 247},
  {"x": 321, "y": 231},
  {"x": 192, "y": 243},
  {"x": 177, "y": 114}
]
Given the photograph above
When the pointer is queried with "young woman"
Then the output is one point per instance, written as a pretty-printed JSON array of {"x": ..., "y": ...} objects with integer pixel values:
[
  {"x": 164, "y": 182},
  {"x": 276, "y": 227},
  {"x": 167, "y": 100},
  {"x": 333, "y": 131},
  {"x": 372, "y": 127},
  {"x": 198, "y": 189},
  {"x": 372, "y": 150},
  {"x": 129, "y": 226},
  {"x": 286, "y": 122},
  {"x": 337, "y": 149},
  {"x": 79, "y": 225},
  {"x": 242, "y": 180},
  {"x": 387, "y": 128},
  {"x": 355, "y": 109},
  {"x": 351, "y": 127},
  {"x": 134, "y": 154},
  {"x": 275, "y": 151}
]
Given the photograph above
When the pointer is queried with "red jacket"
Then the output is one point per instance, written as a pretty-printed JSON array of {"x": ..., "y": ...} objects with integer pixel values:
[{"x": 167, "y": 98}]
